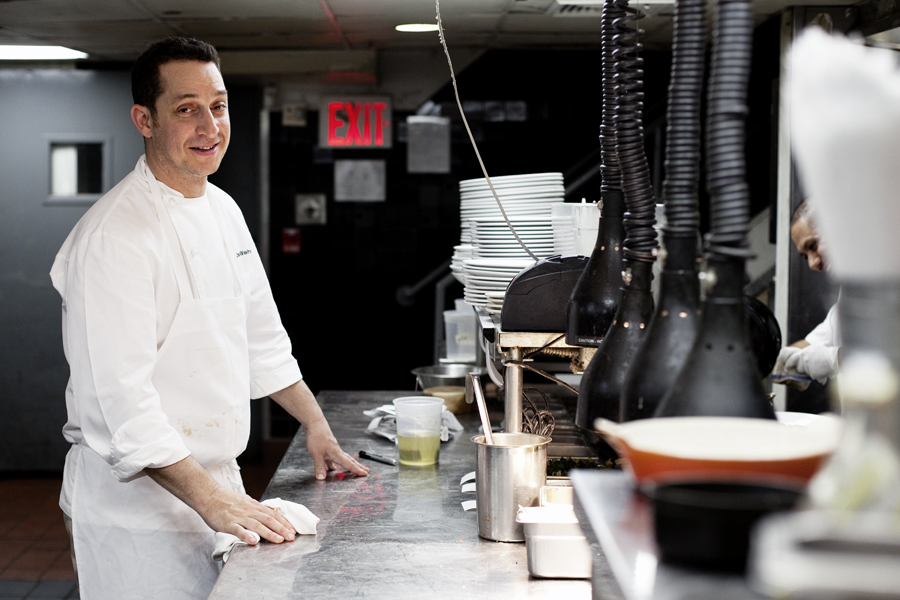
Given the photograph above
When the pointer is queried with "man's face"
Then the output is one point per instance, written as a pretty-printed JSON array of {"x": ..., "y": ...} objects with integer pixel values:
[
  {"x": 189, "y": 133},
  {"x": 806, "y": 239}
]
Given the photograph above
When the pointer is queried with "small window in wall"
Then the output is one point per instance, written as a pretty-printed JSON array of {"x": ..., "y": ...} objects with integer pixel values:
[
  {"x": 79, "y": 169},
  {"x": 76, "y": 169}
]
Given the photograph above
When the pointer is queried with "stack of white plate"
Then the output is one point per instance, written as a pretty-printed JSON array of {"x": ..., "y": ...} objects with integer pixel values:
[
  {"x": 492, "y": 237},
  {"x": 460, "y": 254},
  {"x": 489, "y": 255},
  {"x": 521, "y": 195},
  {"x": 490, "y": 275},
  {"x": 494, "y": 302}
]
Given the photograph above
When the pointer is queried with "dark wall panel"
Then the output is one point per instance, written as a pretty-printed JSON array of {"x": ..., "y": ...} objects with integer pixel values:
[{"x": 33, "y": 370}]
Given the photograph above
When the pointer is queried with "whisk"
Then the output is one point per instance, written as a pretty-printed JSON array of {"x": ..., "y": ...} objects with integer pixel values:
[{"x": 539, "y": 422}]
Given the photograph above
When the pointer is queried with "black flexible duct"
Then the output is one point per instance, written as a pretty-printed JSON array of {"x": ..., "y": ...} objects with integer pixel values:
[
  {"x": 726, "y": 116},
  {"x": 720, "y": 376},
  {"x": 609, "y": 158},
  {"x": 674, "y": 324},
  {"x": 680, "y": 188},
  {"x": 640, "y": 216},
  {"x": 595, "y": 297},
  {"x": 601, "y": 385}
]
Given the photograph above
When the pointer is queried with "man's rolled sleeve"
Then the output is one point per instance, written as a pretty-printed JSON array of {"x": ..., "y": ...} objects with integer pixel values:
[
  {"x": 112, "y": 350},
  {"x": 272, "y": 378},
  {"x": 145, "y": 441}
]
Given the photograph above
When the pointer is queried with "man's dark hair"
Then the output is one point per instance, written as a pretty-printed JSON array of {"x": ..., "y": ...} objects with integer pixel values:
[{"x": 145, "y": 82}]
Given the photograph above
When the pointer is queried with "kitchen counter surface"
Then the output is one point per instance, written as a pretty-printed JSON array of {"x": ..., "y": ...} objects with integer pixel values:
[
  {"x": 619, "y": 520},
  {"x": 399, "y": 533}
]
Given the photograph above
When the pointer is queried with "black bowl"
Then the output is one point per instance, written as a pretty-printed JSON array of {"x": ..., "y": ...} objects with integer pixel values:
[
  {"x": 765, "y": 335},
  {"x": 708, "y": 524}
]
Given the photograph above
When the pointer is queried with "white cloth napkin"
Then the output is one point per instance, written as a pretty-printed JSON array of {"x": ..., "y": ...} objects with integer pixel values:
[{"x": 299, "y": 516}]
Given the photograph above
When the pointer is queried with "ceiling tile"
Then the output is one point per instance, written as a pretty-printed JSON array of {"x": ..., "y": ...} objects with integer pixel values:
[
  {"x": 237, "y": 9},
  {"x": 67, "y": 11}
]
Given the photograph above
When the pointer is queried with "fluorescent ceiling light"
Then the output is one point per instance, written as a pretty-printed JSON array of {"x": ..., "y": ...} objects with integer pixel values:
[
  {"x": 416, "y": 27},
  {"x": 599, "y": 3},
  {"x": 39, "y": 53}
]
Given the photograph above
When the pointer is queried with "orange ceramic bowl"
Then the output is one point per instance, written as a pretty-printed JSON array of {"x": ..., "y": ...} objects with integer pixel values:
[{"x": 664, "y": 450}]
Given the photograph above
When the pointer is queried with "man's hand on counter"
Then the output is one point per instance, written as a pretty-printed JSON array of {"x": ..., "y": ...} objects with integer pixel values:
[
  {"x": 222, "y": 509},
  {"x": 299, "y": 402},
  {"x": 326, "y": 451}
]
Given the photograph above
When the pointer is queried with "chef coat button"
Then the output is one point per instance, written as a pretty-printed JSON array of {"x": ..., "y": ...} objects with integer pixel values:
[
  {"x": 172, "y": 202},
  {"x": 195, "y": 251}
]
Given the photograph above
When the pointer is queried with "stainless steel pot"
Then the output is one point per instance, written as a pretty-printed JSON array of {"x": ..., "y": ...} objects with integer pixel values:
[
  {"x": 447, "y": 374},
  {"x": 508, "y": 474}
]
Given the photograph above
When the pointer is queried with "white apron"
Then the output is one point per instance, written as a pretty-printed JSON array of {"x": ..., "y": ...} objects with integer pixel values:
[{"x": 135, "y": 540}]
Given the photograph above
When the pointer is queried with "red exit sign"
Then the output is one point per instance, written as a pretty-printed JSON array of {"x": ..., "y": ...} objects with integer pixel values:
[{"x": 355, "y": 122}]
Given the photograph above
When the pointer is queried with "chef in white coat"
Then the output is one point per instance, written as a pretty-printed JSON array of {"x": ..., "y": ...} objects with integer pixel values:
[
  {"x": 170, "y": 328},
  {"x": 815, "y": 356}
]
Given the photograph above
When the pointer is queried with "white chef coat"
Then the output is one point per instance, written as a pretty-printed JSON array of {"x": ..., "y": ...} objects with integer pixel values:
[
  {"x": 828, "y": 332},
  {"x": 121, "y": 292}
]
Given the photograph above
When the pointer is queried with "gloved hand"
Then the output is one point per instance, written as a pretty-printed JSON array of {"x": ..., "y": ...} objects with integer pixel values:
[
  {"x": 817, "y": 361},
  {"x": 781, "y": 374}
]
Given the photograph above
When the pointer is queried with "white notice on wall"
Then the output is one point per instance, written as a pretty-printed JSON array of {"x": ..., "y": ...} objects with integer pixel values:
[{"x": 359, "y": 181}]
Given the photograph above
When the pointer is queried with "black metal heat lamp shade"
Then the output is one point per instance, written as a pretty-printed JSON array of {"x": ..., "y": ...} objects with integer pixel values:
[
  {"x": 673, "y": 327},
  {"x": 595, "y": 298},
  {"x": 601, "y": 384},
  {"x": 720, "y": 377},
  {"x": 596, "y": 295}
]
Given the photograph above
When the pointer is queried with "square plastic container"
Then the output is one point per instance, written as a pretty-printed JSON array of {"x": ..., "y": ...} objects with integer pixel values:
[
  {"x": 459, "y": 326},
  {"x": 554, "y": 543}
]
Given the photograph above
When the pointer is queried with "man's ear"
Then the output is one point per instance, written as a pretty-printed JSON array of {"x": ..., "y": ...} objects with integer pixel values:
[{"x": 142, "y": 119}]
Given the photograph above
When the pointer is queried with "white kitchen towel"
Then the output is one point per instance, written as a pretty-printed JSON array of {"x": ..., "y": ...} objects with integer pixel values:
[{"x": 299, "y": 516}]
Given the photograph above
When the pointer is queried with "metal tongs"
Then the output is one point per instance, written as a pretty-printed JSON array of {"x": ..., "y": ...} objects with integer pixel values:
[{"x": 474, "y": 393}]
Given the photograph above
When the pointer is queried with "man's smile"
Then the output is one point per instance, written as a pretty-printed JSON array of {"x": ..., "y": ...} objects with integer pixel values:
[{"x": 208, "y": 149}]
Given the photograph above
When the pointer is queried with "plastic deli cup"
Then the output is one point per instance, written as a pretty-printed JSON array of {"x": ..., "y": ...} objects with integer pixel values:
[{"x": 419, "y": 429}]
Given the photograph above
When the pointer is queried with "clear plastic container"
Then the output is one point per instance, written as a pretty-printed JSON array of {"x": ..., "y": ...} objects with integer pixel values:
[{"x": 459, "y": 329}]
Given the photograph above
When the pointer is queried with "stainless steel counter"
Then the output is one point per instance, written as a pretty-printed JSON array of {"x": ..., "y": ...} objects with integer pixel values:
[
  {"x": 619, "y": 520},
  {"x": 399, "y": 533}
]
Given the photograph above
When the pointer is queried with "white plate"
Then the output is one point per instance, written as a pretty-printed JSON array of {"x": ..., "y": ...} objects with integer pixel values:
[
  {"x": 507, "y": 237},
  {"x": 509, "y": 180},
  {"x": 525, "y": 191},
  {"x": 544, "y": 204},
  {"x": 491, "y": 271},
  {"x": 477, "y": 277},
  {"x": 489, "y": 222},
  {"x": 511, "y": 244},
  {"x": 502, "y": 277},
  {"x": 499, "y": 264},
  {"x": 516, "y": 213},
  {"x": 482, "y": 288},
  {"x": 510, "y": 240},
  {"x": 489, "y": 231},
  {"x": 554, "y": 199},
  {"x": 481, "y": 242},
  {"x": 506, "y": 179},
  {"x": 503, "y": 228}
]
